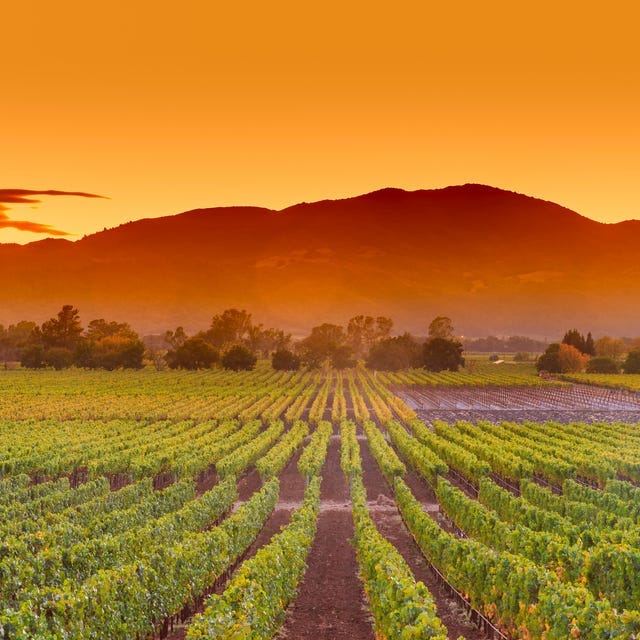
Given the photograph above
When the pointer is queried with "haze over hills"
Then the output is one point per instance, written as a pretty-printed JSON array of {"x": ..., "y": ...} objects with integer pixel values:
[{"x": 494, "y": 261}]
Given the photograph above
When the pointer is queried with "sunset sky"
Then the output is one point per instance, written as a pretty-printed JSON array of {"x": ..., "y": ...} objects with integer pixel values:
[{"x": 161, "y": 108}]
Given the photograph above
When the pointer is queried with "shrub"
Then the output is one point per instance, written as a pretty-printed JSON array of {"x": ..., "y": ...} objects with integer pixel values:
[
  {"x": 193, "y": 353},
  {"x": 441, "y": 354},
  {"x": 239, "y": 358},
  {"x": 550, "y": 360},
  {"x": 285, "y": 360},
  {"x": 393, "y": 354},
  {"x": 33, "y": 357},
  {"x": 632, "y": 363},
  {"x": 602, "y": 365}
]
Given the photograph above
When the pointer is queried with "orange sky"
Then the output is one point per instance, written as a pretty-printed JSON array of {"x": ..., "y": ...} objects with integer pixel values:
[{"x": 165, "y": 107}]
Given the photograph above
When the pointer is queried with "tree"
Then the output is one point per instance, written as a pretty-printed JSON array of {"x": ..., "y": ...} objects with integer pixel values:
[
  {"x": 523, "y": 344},
  {"x": 632, "y": 362},
  {"x": 440, "y": 354},
  {"x": 512, "y": 344},
  {"x": 54, "y": 343},
  {"x": 239, "y": 358},
  {"x": 231, "y": 327},
  {"x": 394, "y": 354},
  {"x": 343, "y": 357},
  {"x": 575, "y": 339},
  {"x": 58, "y": 357},
  {"x": 109, "y": 345},
  {"x": 608, "y": 347},
  {"x": 589, "y": 346},
  {"x": 266, "y": 341},
  {"x": 175, "y": 338},
  {"x": 117, "y": 351},
  {"x": 63, "y": 331},
  {"x": 285, "y": 360},
  {"x": 441, "y": 327},
  {"x": 490, "y": 343},
  {"x": 14, "y": 339},
  {"x": 384, "y": 326},
  {"x": 571, "y": 359},
  {"x": 193, "y": 353},
  {"x": 321, "y": 344},
  {"x": 99, "y": 329},
  {"x": 4, "y": 345},
  {"x": 549, "y": 361},
  {"x": 32, "y": 357},
  {"x": 364, "y": 331},
  {"x": 602, "y": 365}
]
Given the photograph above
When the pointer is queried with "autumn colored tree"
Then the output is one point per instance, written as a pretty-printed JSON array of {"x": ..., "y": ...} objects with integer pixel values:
[{"x": 571, "y": 360}]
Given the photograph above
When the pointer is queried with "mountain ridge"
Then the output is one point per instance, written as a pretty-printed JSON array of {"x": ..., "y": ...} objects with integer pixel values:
[
  {"x": 477, "y": 188},
  {"x": 494, "y": 260}
]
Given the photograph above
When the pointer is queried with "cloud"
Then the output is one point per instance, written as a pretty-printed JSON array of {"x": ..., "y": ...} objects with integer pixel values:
[
  {"x": 26, "y": 225},
  {"x": 26, "y": 196}
]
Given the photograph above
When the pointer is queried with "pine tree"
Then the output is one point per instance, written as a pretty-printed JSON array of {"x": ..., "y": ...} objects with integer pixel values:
[{"x": 589, "y": 345}]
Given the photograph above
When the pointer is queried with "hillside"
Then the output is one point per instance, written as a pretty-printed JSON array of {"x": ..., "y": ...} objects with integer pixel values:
[{"x": 495, "y": 261}]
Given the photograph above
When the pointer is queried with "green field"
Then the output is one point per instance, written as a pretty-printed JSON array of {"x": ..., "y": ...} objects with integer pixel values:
[{"x": 186, "y": 504}]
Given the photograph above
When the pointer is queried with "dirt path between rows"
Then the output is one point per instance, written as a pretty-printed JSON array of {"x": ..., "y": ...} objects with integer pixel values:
[
  {"x": 331, "y": 603},
  {"x": 391, "y": 526},
  {"x": 291, "y": 495}
]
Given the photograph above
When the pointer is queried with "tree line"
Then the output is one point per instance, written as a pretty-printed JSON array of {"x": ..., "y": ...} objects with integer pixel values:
[
  {"x": 233, "y": 340},
  {"x": 62, "y": 342},
  {"x": 577, "y": 353},
  {"x": 512, "y": 344}
]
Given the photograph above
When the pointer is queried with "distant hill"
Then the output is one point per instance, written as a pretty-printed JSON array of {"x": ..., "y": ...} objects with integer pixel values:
[{"x": 493, "y": 260}]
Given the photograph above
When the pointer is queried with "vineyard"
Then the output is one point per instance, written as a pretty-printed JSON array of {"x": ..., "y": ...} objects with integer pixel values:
[{"x": 317, "y": 504}]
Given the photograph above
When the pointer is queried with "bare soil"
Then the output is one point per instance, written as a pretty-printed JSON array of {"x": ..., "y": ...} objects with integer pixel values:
[
  {"x": 331, "y": 603},
  {"x": 207, "y": 480},
  {"x": 248, "y": 485},
  {"x": 291, "y": 495},
  {"x": 391, "y": 526}
]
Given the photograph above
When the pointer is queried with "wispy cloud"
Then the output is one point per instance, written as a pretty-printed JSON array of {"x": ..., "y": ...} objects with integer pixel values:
[{"x": 27, "y": 196}]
